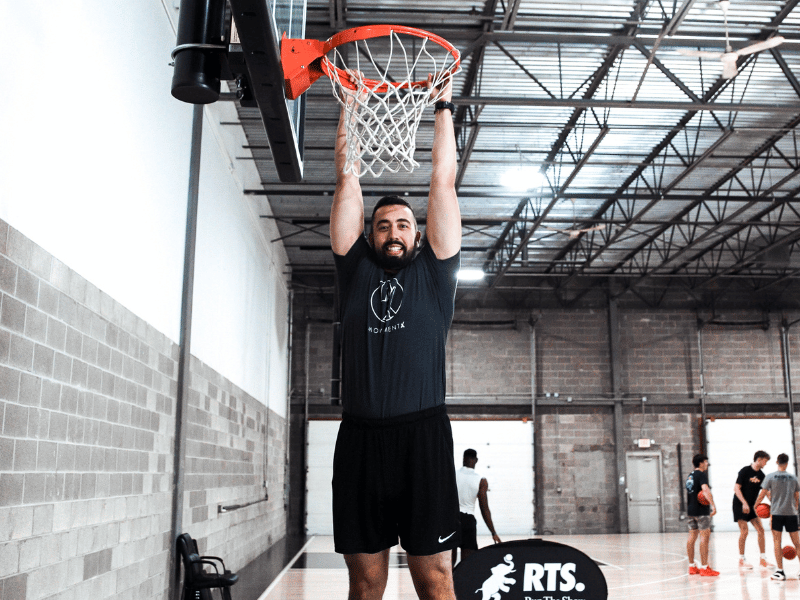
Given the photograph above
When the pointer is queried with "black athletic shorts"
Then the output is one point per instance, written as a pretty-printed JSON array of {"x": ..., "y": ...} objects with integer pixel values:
[
  {"x": 738, "y": 515},
  {"x": 469, "y": 532},
  {"x": 781, "y": 522},
  {"x": 395, "y": 477}
]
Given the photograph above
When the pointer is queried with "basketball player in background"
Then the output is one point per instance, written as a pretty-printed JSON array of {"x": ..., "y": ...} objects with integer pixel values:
[
  {"x": 745, "y": 493},
  {"x": 699, "y": 516},
  {"x": 472, "y": 486},
  {"x": 784, "y": 493}
]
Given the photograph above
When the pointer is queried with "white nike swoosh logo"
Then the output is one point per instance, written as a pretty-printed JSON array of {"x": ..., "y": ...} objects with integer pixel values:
[{"x": 443, "y": 540}]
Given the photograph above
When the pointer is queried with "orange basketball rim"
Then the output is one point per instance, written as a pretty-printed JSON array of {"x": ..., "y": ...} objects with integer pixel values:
[{"x": 305, "y": 61}]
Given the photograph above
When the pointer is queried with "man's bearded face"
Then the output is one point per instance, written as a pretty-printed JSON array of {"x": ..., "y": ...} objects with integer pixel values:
[
  {"x": 394, "y": 237},
  {"x": 394, "y": 255}
]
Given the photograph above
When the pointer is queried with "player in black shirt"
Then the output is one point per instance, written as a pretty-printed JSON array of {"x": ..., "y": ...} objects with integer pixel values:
[
  {"x": 699, "y": 516},
  {"x": 393, "y": 468},
  {"x": 745, "y": 493}
]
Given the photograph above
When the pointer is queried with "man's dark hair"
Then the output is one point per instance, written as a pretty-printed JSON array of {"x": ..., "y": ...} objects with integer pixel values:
[
  {"x": 698, "y": 459},
  {"x": 470, "y": 453},
  {"x": 389, "y": 201},
  {"x": 760, "y": 454},
  {"x": 783, "y": 459}
]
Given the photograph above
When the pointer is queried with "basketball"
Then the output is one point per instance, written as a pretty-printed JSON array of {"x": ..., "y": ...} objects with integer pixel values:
[
  {"x": 789, "y": 552},
  {"x": 762, "y": 510},
  {"x": 701, "y": 498}
]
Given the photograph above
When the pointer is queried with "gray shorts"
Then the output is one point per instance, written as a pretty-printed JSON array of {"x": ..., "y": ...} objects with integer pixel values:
[{"x": 701, "y": 523}]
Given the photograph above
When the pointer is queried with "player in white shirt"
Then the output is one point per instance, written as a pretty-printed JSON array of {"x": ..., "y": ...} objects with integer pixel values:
[{"x": 471, "y": 487}]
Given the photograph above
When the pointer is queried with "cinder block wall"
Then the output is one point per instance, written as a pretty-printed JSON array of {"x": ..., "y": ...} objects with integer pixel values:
[
  {"x": 659, "y": 352},
  {"x": 87, "y": 406},
  {"x": 572, "y": 353},
  {"x": 228, "y": 464},
  {"x": 488, "y": 353},
  {"x": 489, "y": 375},
  {"x": 576, "y": 471}
]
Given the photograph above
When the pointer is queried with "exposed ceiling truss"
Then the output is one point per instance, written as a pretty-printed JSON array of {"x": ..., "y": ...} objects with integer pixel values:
[{"x": 660, "y": 178}]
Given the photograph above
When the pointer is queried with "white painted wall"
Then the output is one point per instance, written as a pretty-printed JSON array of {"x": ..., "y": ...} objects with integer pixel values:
[
  {"x": 94, "y": 167},
  {"x": 731, "y": 446},
  {"x": 505, "y": 459},
  {"x": 94, "y": 156},
  {"x": 321, "y": 443}
]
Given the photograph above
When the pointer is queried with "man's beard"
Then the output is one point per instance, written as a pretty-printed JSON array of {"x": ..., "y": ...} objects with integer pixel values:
[{"x": 394, "y": 263}]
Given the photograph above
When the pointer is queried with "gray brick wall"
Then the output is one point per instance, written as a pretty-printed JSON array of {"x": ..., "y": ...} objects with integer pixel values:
[
  {"x": 228, "y": 464},
  {"x": 491, "y": 359},
  {"x": 87, "y": 396},
  {"x": 578, "y": 492}
]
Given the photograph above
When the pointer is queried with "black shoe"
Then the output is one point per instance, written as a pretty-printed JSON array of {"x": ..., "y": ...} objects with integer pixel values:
[{"x": 779, "y": 575}]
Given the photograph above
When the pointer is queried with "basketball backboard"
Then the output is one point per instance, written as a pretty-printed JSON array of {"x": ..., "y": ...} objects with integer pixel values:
[{"x": 259, "y": 26}]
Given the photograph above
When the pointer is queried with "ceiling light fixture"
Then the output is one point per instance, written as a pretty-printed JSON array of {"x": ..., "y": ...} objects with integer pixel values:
[
  {"x": 470, "y": 274},
  {"x": 521, "y": 179}
]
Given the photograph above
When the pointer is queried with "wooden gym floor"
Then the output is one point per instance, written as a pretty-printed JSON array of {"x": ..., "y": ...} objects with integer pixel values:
[{"x": 636, "y": 566}]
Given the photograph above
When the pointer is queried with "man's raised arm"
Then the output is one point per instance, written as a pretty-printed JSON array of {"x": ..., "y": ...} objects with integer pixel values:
[
  {"x": 347, "y": 210},
  {"x": 443, "y": 228}
]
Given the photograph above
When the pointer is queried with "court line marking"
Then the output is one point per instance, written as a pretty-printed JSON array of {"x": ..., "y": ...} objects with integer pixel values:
[
  {"x": 628, "y": 548},
  {"x": 602, "y": 563},
  {"x": 288, "y": 566},
  {"x": 644, "y": 565},
  {"x": 633, "y": 585}
]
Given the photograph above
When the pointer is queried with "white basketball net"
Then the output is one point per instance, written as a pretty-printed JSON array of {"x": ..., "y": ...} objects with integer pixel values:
[{"x": 382, "y": 126}]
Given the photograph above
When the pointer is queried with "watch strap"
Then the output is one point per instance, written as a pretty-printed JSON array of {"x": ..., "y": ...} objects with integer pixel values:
[{"x": 442, "y": 104}]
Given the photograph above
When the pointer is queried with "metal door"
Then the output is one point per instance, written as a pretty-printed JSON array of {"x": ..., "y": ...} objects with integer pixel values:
[{"x": 645, "y": 509}]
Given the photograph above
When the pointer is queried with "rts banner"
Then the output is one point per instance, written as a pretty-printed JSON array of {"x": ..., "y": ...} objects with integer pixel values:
[{"x": 529, "y": 570}]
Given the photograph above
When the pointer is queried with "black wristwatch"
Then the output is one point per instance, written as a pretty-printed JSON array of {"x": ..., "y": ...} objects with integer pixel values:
[{"x": 444, "y": 104}]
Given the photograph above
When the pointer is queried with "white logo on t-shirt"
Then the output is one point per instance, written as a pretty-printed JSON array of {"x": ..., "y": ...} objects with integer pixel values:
[{"x": 386, "y": 300}]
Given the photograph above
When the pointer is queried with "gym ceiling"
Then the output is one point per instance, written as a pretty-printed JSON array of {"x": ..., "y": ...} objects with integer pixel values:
[{"x": 650, "y": 178}]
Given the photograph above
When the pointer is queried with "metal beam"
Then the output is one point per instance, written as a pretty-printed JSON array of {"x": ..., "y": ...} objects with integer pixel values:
[
  {"x": 501, "y": 270},
  {"x": 670, "y": 75},
  {"x": 624, "y": 229},
  {"x": 183, "y": 388},
  {"x": 785, "y": 240},
  {"x": 793, "y": 275},
  {"x": 594, "y": 279},
  {"x": 475, "y": 53},
  {"x": 596, "y": 80},
  {"x": 729, "y": 220},
  {"x": 481, "y": 192},
  {"x": 510, "y": 15},
  {"x": 303, "y": 220},
  {"x": 672, "y": 27},
  {"x": 787, "y": 70},
  {"x": 709, "y": 195},
  {"x": 587, "y": 103},
  {"x": 466, "y": 153},
  {"x": 713, "y": 92},
  {"x": 337, "y": 10},
  {"x": 619, "y": 424},
  {"x": 533, "y": 38}
]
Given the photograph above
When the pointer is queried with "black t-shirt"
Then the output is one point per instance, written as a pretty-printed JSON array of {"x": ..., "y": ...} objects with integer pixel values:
[
  {"x": 750, "y": 480},
  {"x": 394, "y": 330},
  {"x": 694, "y": 483}
]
